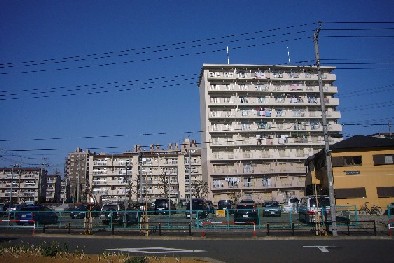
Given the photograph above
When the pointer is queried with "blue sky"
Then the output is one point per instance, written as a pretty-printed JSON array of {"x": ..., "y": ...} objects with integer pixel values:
[{"x": 108, "y": 75}]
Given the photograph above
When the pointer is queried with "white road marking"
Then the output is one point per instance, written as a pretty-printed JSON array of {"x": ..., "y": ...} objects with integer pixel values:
[
  {"x": 155, "y": 250},
  {"x": 321, "y": 248}
]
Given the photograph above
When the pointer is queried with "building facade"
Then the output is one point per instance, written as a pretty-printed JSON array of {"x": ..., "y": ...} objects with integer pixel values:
[
  {"x": 77, "y": 174},
  {"x": 363, "y": 171},
  {"x": 19, "y": 185},
  {"x": 259, "y": 123},
  {"x": 145, "y": 174},
  {"x": 65, "y": 190},
  {"x": 53, "y": 188}
]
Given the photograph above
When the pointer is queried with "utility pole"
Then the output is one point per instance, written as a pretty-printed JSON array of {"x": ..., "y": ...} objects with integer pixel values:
[
  {"x": 190, "y": 185},
  {"x": 325, "y": 132},
  {"x": 78, "y": 177},
  {"x": 140, "y": 172}
]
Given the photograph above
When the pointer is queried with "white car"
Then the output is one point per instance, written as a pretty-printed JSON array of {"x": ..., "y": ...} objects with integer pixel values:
[{"x": 291, "y": 206}]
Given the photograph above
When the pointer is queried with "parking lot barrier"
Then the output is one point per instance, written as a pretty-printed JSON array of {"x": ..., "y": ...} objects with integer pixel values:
[
  {"x": 292, "y": 228},
  {"x": 21, "y": 221},
  {"x": 268, "y": 229},
  {"x": 254, "y": 229}
]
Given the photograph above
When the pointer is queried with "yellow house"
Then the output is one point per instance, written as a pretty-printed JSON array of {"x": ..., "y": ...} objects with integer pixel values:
[{"x": 363, "y": 171}]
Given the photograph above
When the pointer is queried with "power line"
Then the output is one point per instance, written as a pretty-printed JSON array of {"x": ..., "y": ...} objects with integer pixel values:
[
  {"x": 114, "y": 86},
  {"x": 148, "y": 50}
]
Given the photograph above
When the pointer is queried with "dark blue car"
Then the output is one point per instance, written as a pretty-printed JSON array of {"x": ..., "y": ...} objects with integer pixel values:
[{"x": 41, "y": 215}]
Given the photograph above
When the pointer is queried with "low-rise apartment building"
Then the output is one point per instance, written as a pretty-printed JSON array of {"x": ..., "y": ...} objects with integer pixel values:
[
  {"x": 363, "y": 171},
  {"x": 53, "y": 188},
  {"x": 146, "y": 173},
  {"x": 19, "y": 185},
  {"x": 77, "y": 174}
]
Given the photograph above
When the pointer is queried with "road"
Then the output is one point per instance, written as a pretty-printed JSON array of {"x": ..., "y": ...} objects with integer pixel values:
[{"x": 371, "y": 249}]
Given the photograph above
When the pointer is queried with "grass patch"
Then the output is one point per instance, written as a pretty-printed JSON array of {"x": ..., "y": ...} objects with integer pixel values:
[{"x": 59, "y": 253}]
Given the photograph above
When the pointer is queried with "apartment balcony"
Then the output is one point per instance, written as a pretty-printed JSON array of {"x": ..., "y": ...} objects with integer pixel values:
[
  {"x": 230, "y": 88},
  {"x": 99, "y": 172},
  {"x": 332, "y": 101},
  {"x": 30, "y": 194},
  {"x": 266, "y": 125},
  {"x": 100, "y": 163},
  {"x": 335, "y": 127},
  {"x": 99, "y": 182},
  {"x": 279, "y": 185},
  {"x": 116, "y": 182},
  {"x": 281, "y": 155},
  {"x": 259, "y": 170},
  {"x": 30, "y": 176}
]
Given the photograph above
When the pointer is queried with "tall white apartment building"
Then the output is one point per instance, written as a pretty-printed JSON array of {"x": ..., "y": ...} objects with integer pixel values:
[{"x": 259, "y": 124}]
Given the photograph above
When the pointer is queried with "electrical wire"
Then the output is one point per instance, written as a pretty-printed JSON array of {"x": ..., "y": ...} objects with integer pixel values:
[{"x": 108, "y": 55}]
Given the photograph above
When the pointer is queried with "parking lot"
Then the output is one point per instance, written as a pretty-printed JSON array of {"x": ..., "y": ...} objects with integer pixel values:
[{"x": 221, "y": 223}]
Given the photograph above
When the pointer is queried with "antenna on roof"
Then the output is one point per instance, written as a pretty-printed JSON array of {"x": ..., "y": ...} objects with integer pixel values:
[
  {"x": 288, "y": 54},
  {"x": 228, "y": 55}
]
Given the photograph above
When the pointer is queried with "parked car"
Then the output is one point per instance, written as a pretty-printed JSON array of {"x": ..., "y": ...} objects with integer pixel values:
[
  {"x": 39, "y": 213},
  {"x": 117, "y": 214},
  {"x": 112, "y": 213},
  {"x": 199, "y": 208},
  {"x": 246, "y": 213},
  {"x": 3, "y": 209},
  {"x": 211, "y": 207},
  {"x": 291, "y": 205},
  {"x": 162, "y": 208},
  {"x": 272, "y": 208},
  {"x": 248, "y": 201},
  {"x": 311, "y": 206},
  {"x": 226, "y": 205},
  {"x": 79, "y": 211},
  {"x": 13, "y": 209}
]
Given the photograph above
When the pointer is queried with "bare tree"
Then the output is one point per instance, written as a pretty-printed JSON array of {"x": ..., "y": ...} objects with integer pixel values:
[{"x": 200, "y": 189}]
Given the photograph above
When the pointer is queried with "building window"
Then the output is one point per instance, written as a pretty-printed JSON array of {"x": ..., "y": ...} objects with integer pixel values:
[
  {"x": 383, "y": 159},
  {"x": 384, "y": 192},
  {"x": 345, "y": 193},
  {"x": 340, "y": 161}
]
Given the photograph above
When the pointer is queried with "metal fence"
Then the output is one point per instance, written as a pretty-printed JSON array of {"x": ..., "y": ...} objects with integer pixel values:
[{"x": 177, "y": 222}]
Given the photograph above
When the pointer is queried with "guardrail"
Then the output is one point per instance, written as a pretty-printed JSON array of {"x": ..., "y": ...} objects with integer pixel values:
[
  {"x": 290, "y": 228},
  {"x": 360, "y": 225}
]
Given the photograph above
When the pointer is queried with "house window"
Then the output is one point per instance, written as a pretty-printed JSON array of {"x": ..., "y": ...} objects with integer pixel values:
[
  {"x": 340, "y": 161},
  {"x": 345, "y": 193},
  {"x": 383, "y": 159},
  {"x": 385, "y": 191}
]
